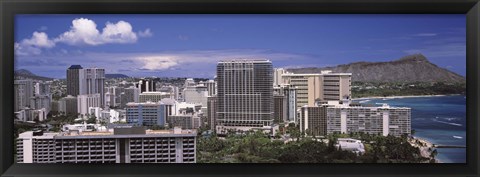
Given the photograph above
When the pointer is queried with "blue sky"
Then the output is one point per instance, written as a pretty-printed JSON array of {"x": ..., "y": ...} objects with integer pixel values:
[{"x": 190, "y": 45}]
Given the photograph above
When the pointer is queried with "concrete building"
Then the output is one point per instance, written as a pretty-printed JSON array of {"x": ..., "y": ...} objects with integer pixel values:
[
  {"x": 131, "y": 94},
  {"x": 184, "y": 121},
  {"x": 39, "y": 114},
  {"x": 277, "y": 76},
  {"x": 87, "y": 81},
  {"x": 86, "y": 101},
  {"x": 74, "y": 75},
  {"x": 68, "y": 105},
  {"x": 336, "y": 86},
  {"x": 153, "y": 96},
  {"x": 146, "y": 85},
  {"x": 323, "y": 86},
  {"x": 196, "y": 94},
  {"x": 23, "y": 91},
  {"x": 211, "y": 112},
  {"x": 95, "y": 111},
  {"x": 280, "y": 106},
  {"x": 122, "y": 145},
  {"x": 245, "y": 94},
  {"x": 41, "y": 101},
  {"x": 382, "y": 120},
  {"x": 146, "y": 114},
  {"x": 211, "y": 87},
  {"x": 95, "y": 83},
  {"x": 313, "y": 120}
]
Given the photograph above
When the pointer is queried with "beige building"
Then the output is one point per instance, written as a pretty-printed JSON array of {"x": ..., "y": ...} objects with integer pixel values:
[
  {"x": 322, "y": 86},
  {"x": 153, "y": 96}
]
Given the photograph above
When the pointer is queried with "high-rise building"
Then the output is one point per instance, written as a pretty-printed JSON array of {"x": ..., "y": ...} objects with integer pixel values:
[
  {"x": 196, "y": 94},
  {"x": 211, "y": 87},
  {"x": 383, "y": 120},
  {"x": 277, "y": 76},
  {"x": 123, "y": 145},
  {"x": 146, "y": 114},
  {"x": 336, "y": 86},
  {"x": 68, "y": 105},
  {"x": 146, "y": 85},
  {"x": 212, "y": 111},
  {"x": 280, "y": 106},
  {"x": 87, "y": 81},
  {"x": 41, "y": 101},
  {"x": 323, "y": 86},
  {"x": 290, "y": 98},
  {"x": 153, "y": 96},
  {"x": 86, "y": 101},
  {"x": 23, "y": 91},
  {"x": 245, "y": 94},
  {"x": 313, "y": 120},
  {"x": 74, "y": 76},
  {"x": 130, "y": 95},
  {"x": 95, "y": 83}
]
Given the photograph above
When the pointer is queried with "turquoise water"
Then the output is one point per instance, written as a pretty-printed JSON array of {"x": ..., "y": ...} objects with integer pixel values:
[{"x": 440, "y": 120}]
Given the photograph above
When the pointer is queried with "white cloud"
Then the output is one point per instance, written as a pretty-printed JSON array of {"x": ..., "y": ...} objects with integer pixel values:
[
  {"x": 146, "y": 33},
  {"x": 120, "y": 32},
  {"x": 84, "y": 31},
  {"x": 38, "y": 39},
  {"x": 158, "y": 62},
  {"x": 34, "y": 44}
]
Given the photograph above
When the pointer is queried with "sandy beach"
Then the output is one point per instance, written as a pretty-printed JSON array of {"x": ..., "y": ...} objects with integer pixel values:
[{"x": 406, "y": 96}]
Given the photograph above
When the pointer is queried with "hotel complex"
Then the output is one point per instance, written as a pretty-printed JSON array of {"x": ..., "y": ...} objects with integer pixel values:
[{"x": 122, "y": 145}]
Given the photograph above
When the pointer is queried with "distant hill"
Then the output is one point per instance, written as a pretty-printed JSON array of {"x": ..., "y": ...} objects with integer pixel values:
[
  {"x": 411, "y": 68},
  {"x": 23, "y": 73},
  {"x": 115, "y": 76}
]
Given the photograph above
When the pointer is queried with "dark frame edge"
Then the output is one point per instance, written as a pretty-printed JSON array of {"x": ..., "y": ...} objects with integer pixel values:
[
  {"x": 6, "y": 78},
  {"x": 473, "y": 71}
]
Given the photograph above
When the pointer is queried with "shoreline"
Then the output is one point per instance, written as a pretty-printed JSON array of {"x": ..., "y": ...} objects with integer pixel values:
[
  {"x": 404, "y": 96},
  {"x": 424, "y": 147}
]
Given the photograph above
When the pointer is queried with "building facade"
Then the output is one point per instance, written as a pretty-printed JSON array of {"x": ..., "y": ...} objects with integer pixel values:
[
  {"x": 119, "y": 146},
  {"x": 146, "y": 85},
  {"x": 245, "y": 94},
  {"x": 146, "y": 114},
  {"x": 211, "y": 112},
  {"x": 196, "y": 94},
  {"x": 86, "y": 101},
  {"x": 153, "y": 96},
  {"x": 323, "y": 86},
  {"x": 74, "y": 75},
  {"x": 68, "y": 105},
  {"x": 382, "y": 120},
  {"x": 23, "y": 91}
]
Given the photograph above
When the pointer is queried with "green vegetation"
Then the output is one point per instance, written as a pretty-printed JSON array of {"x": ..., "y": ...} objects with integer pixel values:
[
  {"x": 257, "y": 147},
  {"x": 369, "y": 89}
]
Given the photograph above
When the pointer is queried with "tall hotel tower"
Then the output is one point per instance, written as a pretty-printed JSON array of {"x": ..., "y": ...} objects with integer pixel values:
[
  {"x": 86, "y": 81},
  {"x": 245, "y": 94},
  {"x": 73, "y": 79}
]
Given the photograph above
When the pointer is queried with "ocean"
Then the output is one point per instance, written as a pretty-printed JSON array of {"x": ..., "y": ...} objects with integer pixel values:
[{"x": 439, "y": 119}]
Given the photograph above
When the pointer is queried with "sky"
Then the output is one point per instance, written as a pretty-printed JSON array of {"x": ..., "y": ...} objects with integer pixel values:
[{"x": 191, "y": 45}]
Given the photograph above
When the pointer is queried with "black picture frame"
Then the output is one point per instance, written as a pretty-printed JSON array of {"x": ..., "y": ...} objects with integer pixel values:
[{"x": 9, "y": 8}]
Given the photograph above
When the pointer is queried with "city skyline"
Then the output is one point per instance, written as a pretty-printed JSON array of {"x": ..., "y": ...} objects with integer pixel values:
[{"x": 190, "y": 45}]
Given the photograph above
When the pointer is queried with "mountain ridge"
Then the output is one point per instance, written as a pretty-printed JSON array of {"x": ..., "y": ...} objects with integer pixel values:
[{"x": 410, "y": 68}]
